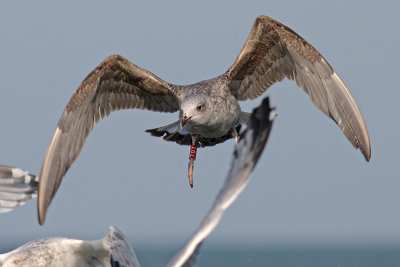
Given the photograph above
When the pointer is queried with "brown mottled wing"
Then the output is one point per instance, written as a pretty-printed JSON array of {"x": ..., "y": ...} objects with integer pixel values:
[
  {"x": 273, "y": 52},
  {"x": 114, "y": 84}
]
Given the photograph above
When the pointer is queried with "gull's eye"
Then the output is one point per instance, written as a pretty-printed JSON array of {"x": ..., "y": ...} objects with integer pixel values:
[{"x": 199, "y": 107}]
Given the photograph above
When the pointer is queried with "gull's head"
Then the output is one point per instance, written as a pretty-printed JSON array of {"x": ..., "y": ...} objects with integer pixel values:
[{"x": 194, "y": 110}]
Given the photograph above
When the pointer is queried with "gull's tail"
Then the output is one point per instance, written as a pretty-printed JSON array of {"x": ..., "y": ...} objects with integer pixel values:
[
  {"x": 173, "y": 132},
  {"x": 16, "y": 186}
]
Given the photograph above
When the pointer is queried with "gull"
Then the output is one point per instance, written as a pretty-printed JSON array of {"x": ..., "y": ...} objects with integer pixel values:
[
  {"x": 115, "y": 248},
  {"x": 209, "y": 111}
]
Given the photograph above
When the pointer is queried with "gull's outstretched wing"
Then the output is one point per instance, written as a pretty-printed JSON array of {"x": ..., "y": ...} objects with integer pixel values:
[
  {"x": 272, "y": 52},
  {"x": 16, "y": 186},
  {"x": 121, "y": 250},
  {"x": 114, "y": 84},
  {"x": 246, "y": 155}
]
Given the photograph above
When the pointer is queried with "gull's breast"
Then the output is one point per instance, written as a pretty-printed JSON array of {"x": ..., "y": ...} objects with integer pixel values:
[{"x": 218, "y": 124}]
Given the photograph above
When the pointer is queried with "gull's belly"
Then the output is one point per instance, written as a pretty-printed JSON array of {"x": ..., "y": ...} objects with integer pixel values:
[
  {"x": 209, "y": 130},
  {"x": 216, "y": 126}
]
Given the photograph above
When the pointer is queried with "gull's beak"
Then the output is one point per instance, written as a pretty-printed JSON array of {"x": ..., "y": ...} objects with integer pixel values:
[{"x": 183, "y": 120}]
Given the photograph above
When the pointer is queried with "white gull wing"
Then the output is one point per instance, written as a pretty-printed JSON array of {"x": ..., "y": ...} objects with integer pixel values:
[
  {"x": 114, "y": 84},
  {"x": 121, "y": 250},
  {"x": 16, "y": 187},
  {"x": 246, "y": 155},
  {"x": 272, "y": 52},
  {"x": 113, "y": 250}
]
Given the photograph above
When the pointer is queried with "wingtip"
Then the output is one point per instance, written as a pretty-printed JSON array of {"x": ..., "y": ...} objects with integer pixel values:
[
  {"x": 48, "y": 184},
  {"x": 364, "y": 144},
  {"x": 367, "y": 153},
  {"x": 41, "y": 216},
  {"x": 41, "y": 207},
  {"x": 41, "y": 223}
]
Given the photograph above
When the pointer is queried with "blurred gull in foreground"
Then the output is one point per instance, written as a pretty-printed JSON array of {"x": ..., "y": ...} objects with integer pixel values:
[{"x": 114, "y": 249}]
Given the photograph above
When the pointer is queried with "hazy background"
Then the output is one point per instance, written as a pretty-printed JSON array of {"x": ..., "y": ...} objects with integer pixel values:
[{"x": 310, "y": 187}]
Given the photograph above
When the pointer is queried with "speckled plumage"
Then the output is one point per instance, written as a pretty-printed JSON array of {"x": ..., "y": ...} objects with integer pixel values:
[{"x": 271, "y": 53}]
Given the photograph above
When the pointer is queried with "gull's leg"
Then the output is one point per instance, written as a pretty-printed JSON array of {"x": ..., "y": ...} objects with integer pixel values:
[
  {"x": 235, "y": 135},
  {"x": 192, "y": 157}
]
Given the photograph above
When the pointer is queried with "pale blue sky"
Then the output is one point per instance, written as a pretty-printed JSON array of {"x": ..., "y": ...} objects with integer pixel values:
[{"x": 310, "y": 184}]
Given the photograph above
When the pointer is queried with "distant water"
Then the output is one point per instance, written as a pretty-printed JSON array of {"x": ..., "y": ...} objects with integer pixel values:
[
  {"x": 259, "y": 256},
  {"x": 270, "y": 256}
]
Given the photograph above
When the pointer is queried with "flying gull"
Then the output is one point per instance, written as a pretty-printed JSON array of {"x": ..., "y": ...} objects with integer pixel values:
[
  {"x": 209, "y": 111},
  {"x": 119, "y": 251}
]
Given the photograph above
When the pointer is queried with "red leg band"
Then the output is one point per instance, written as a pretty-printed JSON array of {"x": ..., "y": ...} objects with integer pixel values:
[{"x": 193, "y": 150}]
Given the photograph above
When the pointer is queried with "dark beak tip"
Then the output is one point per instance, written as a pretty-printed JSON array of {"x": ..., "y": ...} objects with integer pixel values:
[{"x": 184, "y": 120}]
